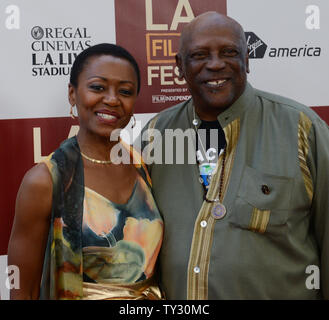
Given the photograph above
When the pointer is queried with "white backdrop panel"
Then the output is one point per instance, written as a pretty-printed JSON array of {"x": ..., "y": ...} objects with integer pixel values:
[
  {"x": 282, "y": 24},
  {"x": 24, "y": 95}
]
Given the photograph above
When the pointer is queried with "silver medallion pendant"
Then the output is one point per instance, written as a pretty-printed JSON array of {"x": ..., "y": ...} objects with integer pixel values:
[
  {"x": 195, "y": 122},
  {"x": 218, "y": 211}
]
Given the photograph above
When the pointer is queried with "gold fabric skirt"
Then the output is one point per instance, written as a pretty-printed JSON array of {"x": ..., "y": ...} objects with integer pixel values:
[{"x": 142, "y": 290}]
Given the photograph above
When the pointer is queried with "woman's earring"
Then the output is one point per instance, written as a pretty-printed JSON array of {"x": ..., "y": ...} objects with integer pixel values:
[
  {"x": 134, "y": 122},
  {"x": 71, "y": 113}
]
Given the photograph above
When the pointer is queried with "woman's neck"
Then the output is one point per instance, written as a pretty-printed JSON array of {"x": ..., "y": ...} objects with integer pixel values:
[{"x": 95, "y": 146}]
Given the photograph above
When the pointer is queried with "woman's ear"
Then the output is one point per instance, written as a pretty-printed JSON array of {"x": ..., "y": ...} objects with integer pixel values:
[{"x": 71, "y": 93}]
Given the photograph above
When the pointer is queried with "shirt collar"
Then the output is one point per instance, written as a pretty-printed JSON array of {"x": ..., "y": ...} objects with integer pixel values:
[
  {"x": 238, "y": 107},
  {"x": 234, "y": 111}
]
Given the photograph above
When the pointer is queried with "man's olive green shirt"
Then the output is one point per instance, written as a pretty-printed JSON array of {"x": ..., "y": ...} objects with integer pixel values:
[{"x": 275, "y": 236}]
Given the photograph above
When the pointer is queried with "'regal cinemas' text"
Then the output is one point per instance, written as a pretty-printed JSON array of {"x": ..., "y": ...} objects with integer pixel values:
[{"x": 55, "y": 48}]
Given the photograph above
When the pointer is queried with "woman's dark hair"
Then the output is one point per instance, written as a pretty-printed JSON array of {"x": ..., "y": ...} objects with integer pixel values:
[{"x": 99, "y": 50}]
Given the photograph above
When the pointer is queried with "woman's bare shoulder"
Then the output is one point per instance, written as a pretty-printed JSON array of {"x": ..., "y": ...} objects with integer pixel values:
[
  {"x": 30, "y": 230},
  {"x": 35, "y": 192},
  {"x": 38, "y": 176}
]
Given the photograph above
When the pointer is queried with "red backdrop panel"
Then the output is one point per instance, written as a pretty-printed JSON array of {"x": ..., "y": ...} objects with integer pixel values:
[
  {"x": 323, "y": 112},
  {"x": 17, "y": 156},
  {"x": 132, "y": 34}
]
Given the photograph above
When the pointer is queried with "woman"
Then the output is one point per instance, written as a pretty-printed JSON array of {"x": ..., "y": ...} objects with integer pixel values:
[{"x": 85, "y": 227}]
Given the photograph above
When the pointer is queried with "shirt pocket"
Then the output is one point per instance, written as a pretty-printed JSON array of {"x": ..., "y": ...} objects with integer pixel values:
[{"x": 263, "y": 202}]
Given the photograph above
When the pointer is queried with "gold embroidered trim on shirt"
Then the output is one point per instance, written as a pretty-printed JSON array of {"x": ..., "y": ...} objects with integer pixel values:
[
  {"x": 304, "y": 127},
  {"x": 259, "y": 220},
  {"x": 197, "y": 279}
]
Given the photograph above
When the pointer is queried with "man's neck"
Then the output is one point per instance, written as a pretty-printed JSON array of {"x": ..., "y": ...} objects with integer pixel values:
[{"x": 208, "y": 115}]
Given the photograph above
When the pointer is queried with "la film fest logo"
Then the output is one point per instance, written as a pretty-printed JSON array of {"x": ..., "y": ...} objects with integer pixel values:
[
  {"x": 161, "y": 48},
  {"x": 55, "y": 48}
]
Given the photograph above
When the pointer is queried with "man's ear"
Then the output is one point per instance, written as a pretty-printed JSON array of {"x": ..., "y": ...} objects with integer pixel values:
[
  {"x": 72, "y": 96},
  {"x": 247, "y": 62},
  {"x": 179, "y": 64}
]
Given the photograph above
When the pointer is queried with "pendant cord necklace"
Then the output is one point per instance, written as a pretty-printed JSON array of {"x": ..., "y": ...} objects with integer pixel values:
[
  {"x": 221, "y": 181},
  {"x": 195, "y": 123},
  {"x": 219, "y": 210}
]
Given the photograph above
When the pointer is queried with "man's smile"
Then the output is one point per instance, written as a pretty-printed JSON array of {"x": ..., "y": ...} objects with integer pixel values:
[{"x": 216, "y": 83}]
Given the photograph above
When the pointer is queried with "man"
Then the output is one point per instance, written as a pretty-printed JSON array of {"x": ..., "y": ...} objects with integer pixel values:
[{"x": 259, "y": 228}]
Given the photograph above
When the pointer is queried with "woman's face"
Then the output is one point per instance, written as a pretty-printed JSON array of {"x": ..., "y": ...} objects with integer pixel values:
[{"x": 105, "y": 95}]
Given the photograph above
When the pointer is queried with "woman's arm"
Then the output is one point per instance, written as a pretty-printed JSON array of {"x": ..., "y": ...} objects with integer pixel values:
[{"x": 29, "y": 234}]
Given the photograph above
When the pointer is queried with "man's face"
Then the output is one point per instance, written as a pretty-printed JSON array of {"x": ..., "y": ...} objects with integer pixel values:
[{"x": 214, "y": 63}]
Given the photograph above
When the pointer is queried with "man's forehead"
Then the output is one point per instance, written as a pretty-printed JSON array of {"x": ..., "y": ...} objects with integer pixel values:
[
  {"x": 210, "y": 18},
  {"x": 210, "y": 21}
]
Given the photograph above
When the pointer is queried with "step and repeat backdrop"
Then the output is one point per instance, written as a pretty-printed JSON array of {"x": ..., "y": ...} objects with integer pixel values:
[{"x": 289, "y": 55}]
